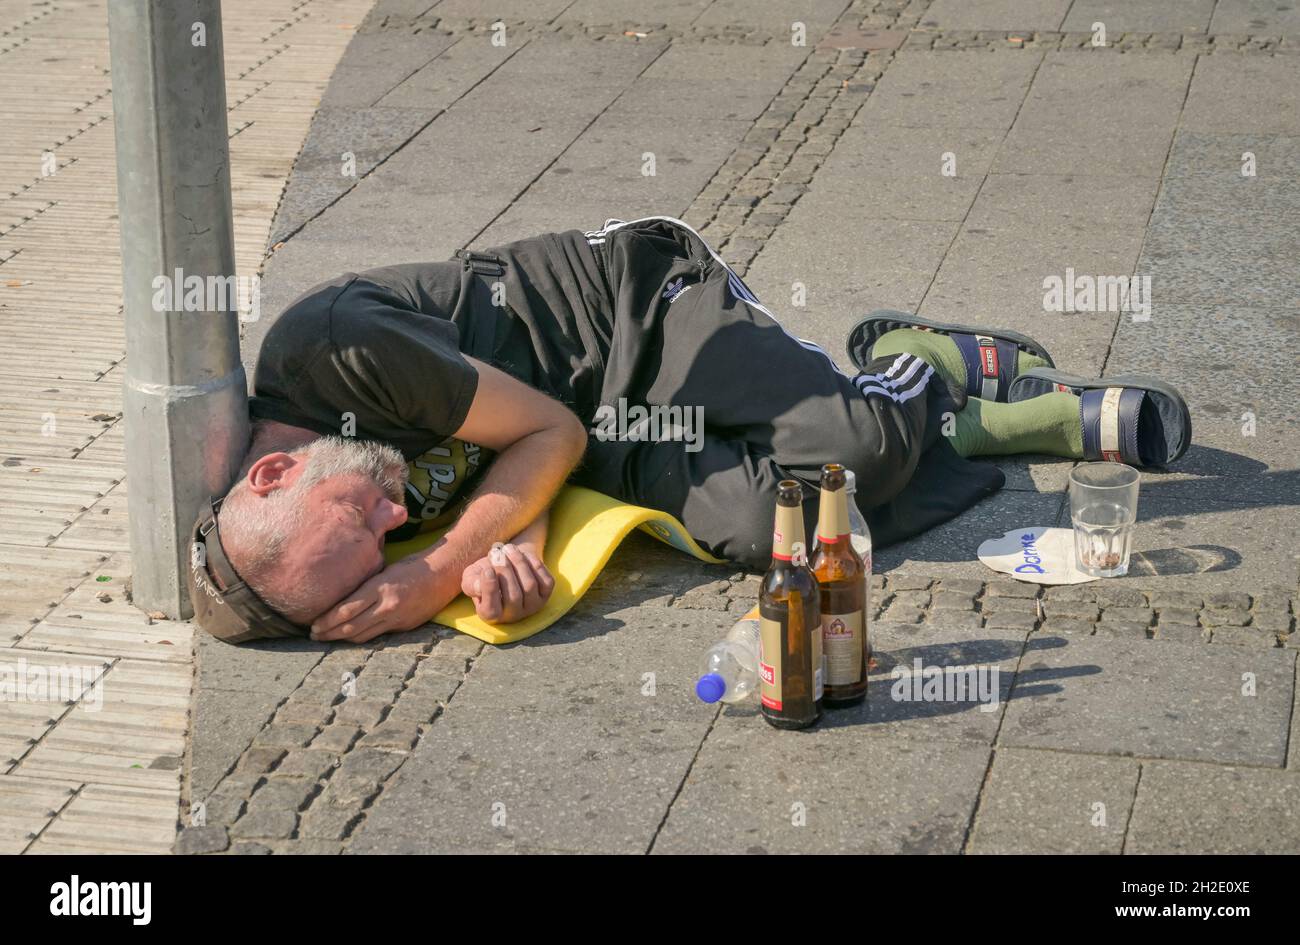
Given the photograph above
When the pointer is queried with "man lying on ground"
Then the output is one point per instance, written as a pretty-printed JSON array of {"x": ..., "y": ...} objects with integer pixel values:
[{"x": 470, "y": 391}]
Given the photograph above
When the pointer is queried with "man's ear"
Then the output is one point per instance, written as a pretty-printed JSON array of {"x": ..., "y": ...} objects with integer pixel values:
[{"x": 274, "y": 471}]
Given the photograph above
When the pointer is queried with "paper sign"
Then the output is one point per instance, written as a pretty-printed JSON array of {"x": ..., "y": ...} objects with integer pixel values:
[{"x": 1038, "y": 554}]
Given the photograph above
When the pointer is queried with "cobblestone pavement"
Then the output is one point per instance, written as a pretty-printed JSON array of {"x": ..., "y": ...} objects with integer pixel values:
[{"x": 1144, "y": 714}]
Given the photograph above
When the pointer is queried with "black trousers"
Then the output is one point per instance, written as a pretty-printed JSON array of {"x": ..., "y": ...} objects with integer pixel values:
[{"x": 688, "y": 333}]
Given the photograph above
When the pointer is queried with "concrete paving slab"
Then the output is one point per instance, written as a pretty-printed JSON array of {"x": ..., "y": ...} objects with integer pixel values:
[
  {"x": 448, "y": 76},
  {"x": 1244, "y": 95},
  {"x": 595, "y": 666},
  {"x": 239, "y": 688},
  {"x": 995, "y": 277},
  {"x": 1130, "y": 697},
  {"x": 949, "y": 549},
  {"x": 1200, "y": 193},
  {"x": 1204, "y": 276},
  {"x": 1121, "y": 93},
  {"x": 532, "y": 782},
  {"x": 1079, "y": 204},
  {"x": 376, "y": 63},
  {"x": 1264, "y": 17},
  {"x": 1293, "y": 749},
  {"x": 225, "y": 724},
  {"x": 951, "y": 90},
  {"x": 1054, "y": 802},
  {"x": 922, "y": 197},
  {"x": 907, "y": 151},
  {"x": 1026, "y": 15},
  {"x": 258, "y": 666},
  {"x": 367, "y": 134},
  {"x": 613, "y": 155},
  {"x": 816, "y": 15},
  {"x": 424, "y": 225},
  {"x": 890, "y": 709},
  {"x": 825, "y": 790},
  {"x": 1034, "y": 473},
  {"x": 582, "y": 759},
  {"x": 930, "y": 197},
  {"x": 1217, "y": 157},
  {"x": 633, "y": 13},
  {"x": 1191, "y": 808},
  {"x": 1141, "y": 16},
  {"x": 1089, "y": 148},
  {"x": 726, "y": 65},
  {"x": 543, "y": 11},
  {"x": 1241, "y": 236},
  {"x": 873, "y": 263},
  {"x": 1237, "y": 397},
  {"x": 680, "y": 98},
  {"x": 1191, "y": 539}
]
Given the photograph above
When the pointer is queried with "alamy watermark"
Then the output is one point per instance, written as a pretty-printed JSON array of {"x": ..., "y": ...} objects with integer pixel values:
[
  {"x": 1088, "y": 293},
  {"x": 656, "y": 423},
  {"x": 921, "y": 683},
  {"x": 81, "y": 898},
  {"x": 181, "y": 293},
  {"x": 21, "y": 681}
]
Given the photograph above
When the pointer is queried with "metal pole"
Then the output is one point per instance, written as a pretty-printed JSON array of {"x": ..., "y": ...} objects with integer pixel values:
[{"x": 185, "y": 398}]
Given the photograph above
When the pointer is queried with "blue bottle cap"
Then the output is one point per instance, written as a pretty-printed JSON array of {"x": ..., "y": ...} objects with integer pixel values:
[{"x": 710, "y": 687}]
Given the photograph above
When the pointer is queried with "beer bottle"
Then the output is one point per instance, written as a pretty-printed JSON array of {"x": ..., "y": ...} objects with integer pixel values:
[
  {"x": 842, "y": 579},
  {"x": 790, "y": 646}
]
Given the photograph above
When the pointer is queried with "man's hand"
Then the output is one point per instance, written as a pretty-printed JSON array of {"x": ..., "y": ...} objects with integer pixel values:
[
  {"x": 509, "y": 583},
  {"x": 400, "y": 597}
]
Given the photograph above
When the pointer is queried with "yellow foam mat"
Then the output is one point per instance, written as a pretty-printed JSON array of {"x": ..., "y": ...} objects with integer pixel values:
[{"x": 585, "y": 528}]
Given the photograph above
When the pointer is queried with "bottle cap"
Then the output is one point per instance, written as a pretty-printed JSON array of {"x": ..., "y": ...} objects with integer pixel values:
[{"x": 710, "y": 687}]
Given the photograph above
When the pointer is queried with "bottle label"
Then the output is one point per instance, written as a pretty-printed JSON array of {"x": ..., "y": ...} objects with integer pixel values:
[
  {"x": 843, "y": 637},
  {"x": 771, "y": 645}
]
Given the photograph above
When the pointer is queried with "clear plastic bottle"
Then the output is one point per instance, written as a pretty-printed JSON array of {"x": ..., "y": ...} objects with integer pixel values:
[
  {"x": 861, "y": 539},
  {"x": 731, "y": 665}
]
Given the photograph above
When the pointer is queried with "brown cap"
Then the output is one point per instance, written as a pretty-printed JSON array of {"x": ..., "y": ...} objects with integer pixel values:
[{"x": 224, "y": 605}]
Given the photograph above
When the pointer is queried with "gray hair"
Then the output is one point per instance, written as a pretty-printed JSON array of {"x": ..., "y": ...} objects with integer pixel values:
[{"x": 256, "y": 529}]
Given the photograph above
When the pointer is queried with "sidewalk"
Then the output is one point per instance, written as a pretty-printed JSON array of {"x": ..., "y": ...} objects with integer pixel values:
[
  {"x": 96, "y": 707},
  {"x": 1150, "y": 713},
  {"x": 1124, "y": 722}
]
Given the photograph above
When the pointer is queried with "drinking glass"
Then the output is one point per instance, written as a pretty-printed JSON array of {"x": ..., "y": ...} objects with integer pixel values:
[{"x": 1103, "y": 508}]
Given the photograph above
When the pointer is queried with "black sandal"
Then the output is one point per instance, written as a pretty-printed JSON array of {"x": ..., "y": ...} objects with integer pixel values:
[
  {"x": 990, "y": 354},
  {"x": 1130, "y": 418}
]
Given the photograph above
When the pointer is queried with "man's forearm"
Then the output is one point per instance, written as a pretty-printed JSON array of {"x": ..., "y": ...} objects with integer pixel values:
[
  {"x": 534, "y": 534},
  {"x": 519, "y": 486}
]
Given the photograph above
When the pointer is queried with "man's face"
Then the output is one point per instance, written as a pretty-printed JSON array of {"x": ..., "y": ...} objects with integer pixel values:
[
  {"x": 341, "y": 542},
  {"x": 340, "y": 498}
]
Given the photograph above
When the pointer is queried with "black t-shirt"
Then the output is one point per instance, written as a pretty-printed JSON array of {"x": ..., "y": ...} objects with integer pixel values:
[{"x": 359, "y": 357}]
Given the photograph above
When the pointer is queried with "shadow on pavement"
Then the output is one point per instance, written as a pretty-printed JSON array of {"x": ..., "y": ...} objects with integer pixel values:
[{"x": 1191, "y": 559}]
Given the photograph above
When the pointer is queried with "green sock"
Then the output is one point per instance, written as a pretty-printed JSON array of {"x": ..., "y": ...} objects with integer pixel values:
[
  {"x": 1047, "y": 424},
  {"x": 940, "y": 352}
]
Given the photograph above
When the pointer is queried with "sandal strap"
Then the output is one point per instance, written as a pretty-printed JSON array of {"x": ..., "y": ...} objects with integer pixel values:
[
  {"x": 990, "y": 364},
  {"x": 1110, "y": 424}
]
